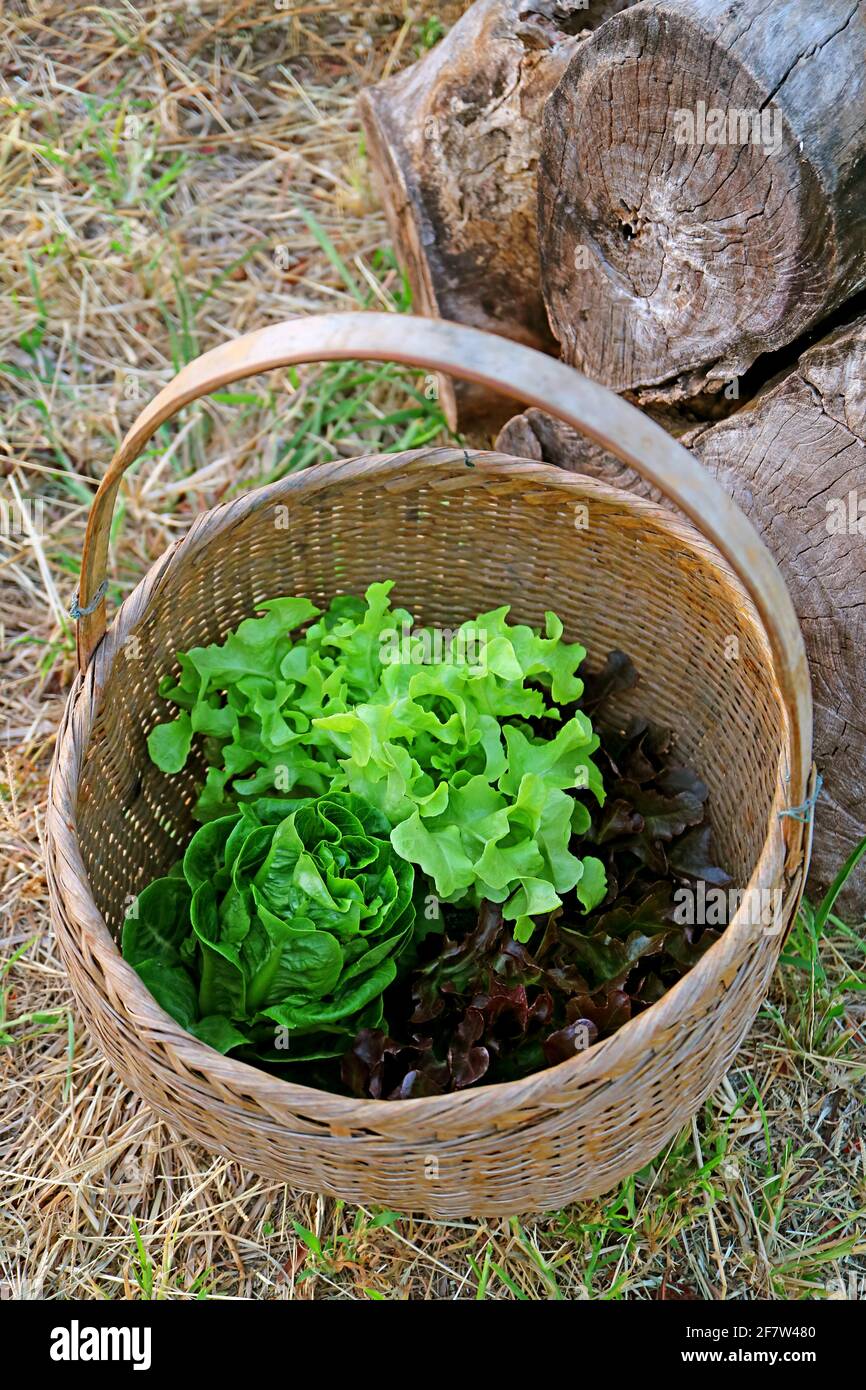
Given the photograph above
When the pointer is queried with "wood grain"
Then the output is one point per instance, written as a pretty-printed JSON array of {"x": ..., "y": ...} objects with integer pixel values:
[
  {"x": 453, "y": 142},
  {"x": 794, "y": 460},
  {"x": 674, "y": 247}
]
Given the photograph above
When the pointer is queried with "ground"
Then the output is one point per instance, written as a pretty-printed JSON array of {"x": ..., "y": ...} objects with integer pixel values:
[{"x": 172, "y": 175}]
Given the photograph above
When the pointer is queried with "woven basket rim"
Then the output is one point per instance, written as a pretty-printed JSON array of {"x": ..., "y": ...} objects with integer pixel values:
[{"x": 84, "y": 700}]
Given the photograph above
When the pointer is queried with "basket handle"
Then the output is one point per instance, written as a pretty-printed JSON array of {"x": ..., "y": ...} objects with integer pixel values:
[{"x": 512, "y": 370}]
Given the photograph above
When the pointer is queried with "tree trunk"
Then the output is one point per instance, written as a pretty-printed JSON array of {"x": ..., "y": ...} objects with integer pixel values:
[
  {"x": 794, "y": 460},
  {"x": 702, "y": 186},
  {"x": 453, "y": 142}
]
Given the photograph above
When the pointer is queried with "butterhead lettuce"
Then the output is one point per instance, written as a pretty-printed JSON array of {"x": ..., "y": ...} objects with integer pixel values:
[{"x": 281, "y": 928}]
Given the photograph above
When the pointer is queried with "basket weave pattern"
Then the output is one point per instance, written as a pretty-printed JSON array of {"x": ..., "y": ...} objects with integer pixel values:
[{"x": 457, "y": 541}]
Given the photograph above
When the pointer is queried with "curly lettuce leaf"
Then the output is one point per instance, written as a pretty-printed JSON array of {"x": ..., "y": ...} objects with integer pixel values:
[{"x": 431, "y": 729}]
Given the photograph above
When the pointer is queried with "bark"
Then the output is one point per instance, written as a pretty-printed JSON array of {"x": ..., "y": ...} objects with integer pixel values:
[
  {"x": 453, "y": 142},
  {"x": 702, "y": 186},
  {"x": 794, "y": 460}
]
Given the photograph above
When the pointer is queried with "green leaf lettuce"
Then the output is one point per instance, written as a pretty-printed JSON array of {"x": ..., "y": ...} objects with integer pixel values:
[{"x": 431, "y": 729}]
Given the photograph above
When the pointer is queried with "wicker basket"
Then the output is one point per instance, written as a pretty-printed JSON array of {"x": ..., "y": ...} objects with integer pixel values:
[{"x": 621, "y": 572}]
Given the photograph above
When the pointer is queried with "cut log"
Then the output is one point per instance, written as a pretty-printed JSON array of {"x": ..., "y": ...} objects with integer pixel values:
[
  {"x": 538, "y": 436},
  {"x": 702, "y": 186},
  {"x": 453, "y": 142},
  {"x": 794, "y": 460}
]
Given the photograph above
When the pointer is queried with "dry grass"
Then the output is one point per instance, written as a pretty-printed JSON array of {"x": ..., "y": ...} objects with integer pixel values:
[{"x": 174, "y": 175}]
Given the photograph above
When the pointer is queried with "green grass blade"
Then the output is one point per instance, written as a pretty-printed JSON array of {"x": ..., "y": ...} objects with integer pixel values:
[{"x": 847, "y": 869}]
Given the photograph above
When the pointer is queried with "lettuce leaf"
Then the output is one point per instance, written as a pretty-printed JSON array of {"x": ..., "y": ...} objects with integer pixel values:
[
  {"x": 286, "y": 916},
  {"x": 435, "y": 730}
]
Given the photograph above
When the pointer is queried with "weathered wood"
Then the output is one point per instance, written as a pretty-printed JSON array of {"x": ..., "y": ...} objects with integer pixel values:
[
  {"x": 538, "y": 436},
  {"x": 702, "y": 186},
  {"x": 453, "y": 142},
  {"x": 795, "y": 461}
]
